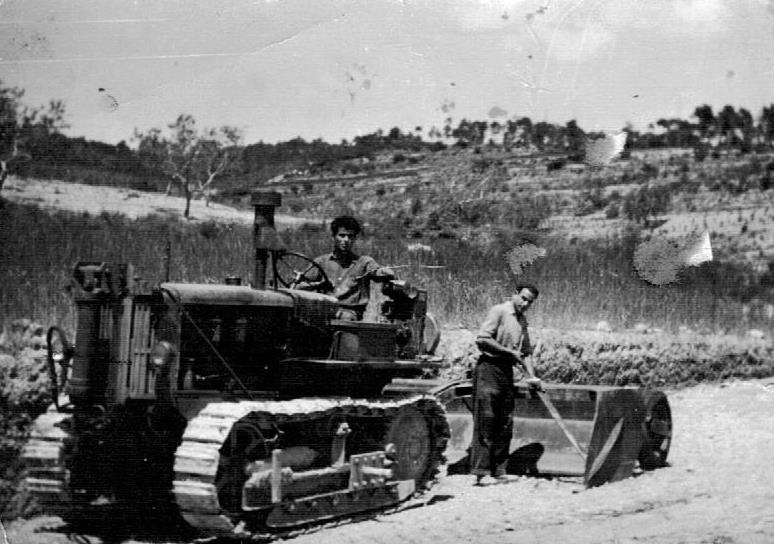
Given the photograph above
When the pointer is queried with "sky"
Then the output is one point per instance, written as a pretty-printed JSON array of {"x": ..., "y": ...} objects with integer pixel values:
[{"x": 336, "y": 69}]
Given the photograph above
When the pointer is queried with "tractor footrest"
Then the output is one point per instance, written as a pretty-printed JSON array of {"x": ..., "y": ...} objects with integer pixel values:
[{"x": 338, "y": 503}]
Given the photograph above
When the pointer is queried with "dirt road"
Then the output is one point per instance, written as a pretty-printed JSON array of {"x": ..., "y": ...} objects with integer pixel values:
[
  {"x": 95, "y": 199},
  {"x": 719, "y": 488}
]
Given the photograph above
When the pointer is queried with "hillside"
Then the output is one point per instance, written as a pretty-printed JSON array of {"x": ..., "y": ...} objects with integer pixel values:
[
  {"x": 460, "y": 193},
  {"x": 95, "y": 200},
  {"x": 449, "y": 220}
]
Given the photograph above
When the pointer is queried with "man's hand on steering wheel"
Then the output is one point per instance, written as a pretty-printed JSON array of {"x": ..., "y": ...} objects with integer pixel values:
[
  {"x": 321, "y": 286},
  {"x": 311, "y": 277}
]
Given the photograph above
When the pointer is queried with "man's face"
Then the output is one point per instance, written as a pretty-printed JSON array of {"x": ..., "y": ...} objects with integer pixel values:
[
  {"x": 523, "y": 300},
  {"x": 344, "y": 240}
]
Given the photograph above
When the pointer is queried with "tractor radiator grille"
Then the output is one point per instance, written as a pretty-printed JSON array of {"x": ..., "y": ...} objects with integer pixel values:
[{"x": 140, "y": 380}]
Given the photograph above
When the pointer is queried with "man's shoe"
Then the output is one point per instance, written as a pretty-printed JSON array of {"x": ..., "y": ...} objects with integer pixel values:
[{"x": 485, "y": 480}]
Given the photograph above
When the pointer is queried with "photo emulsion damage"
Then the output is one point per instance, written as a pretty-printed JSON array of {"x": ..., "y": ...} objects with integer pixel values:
[{"x": 382, "y": 270}]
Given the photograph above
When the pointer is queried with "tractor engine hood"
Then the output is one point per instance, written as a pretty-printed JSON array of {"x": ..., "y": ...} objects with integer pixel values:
[{"x": 231, "y": 295}]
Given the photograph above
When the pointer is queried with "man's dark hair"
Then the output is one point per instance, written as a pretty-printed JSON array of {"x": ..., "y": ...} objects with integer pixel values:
[
  {"x": 531, "y": 288},
  {"x": 345, "y": 222}
]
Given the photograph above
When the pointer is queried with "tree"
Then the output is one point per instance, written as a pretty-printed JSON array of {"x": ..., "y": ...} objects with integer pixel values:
[
  {"x": 544, "y": 135},
  {"x": 706, "y": 119},
  {"x": 21, "y": 126},
  {"x": 766, "y": 124},
  {"x": 574, "y": 137},
  {"x": 522, "y": 130},
  {"x": 470, "y": 132},
  {"x": 728, "y": 121},
  {"x": 747, "y": 126},
  {"x": 678, "y": 132},
  {"x": 191, "y": 159}
]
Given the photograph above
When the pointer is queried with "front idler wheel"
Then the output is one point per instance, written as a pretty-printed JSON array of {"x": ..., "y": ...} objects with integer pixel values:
[{"x": 412, "y": 441}]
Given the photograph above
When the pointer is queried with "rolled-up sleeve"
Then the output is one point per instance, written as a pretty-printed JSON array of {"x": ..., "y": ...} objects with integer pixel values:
[{"x": 369, "y": 266}]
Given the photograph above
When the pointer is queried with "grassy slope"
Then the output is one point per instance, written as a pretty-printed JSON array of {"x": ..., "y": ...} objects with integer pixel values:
[
  {"x": 582, "y": 282},
  {"x": 469, "y": 209}
]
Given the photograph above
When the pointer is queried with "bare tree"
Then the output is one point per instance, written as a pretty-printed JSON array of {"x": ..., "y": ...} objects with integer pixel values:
[
  {"x": 21, "y": 126},
  {"x": 191, "y": 159}
]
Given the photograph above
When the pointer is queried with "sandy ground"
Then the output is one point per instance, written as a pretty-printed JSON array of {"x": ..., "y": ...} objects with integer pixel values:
[
  {"x": 718, "y": 489},
  {"x": 95, "y": 199}
]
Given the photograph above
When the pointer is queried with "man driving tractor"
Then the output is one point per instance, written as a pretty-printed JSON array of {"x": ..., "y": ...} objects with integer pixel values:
[{"x": 349, "y": 274}]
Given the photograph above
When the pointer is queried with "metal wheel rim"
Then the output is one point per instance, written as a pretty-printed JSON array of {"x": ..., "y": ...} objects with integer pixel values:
[{"x": 411, "y": 438}]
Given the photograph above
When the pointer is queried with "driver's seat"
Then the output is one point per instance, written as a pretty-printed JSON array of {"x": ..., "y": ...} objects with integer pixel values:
[{"x": 363, "y": 341}]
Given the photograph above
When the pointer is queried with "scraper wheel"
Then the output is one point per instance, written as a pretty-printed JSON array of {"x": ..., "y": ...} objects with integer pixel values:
[{"x": 658, "y": 431}]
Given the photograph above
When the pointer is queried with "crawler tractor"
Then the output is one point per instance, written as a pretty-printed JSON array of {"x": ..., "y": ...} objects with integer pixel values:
[{"x": 252, "y": 410}]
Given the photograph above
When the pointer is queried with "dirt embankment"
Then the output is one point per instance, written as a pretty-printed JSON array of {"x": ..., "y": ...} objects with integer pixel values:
[
  {"x": 95, "y": 199},
  {"x": 719, "y": 488}
]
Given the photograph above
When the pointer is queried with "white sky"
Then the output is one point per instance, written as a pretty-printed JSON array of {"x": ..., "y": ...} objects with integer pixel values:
[{"x": 335, "y": 69}]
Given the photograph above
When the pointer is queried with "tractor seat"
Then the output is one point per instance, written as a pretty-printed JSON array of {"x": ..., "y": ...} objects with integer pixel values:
[{"x": 363, "y": 341}]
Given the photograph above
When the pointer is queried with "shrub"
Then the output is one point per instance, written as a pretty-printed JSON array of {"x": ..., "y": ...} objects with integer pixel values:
[
  {"x": 621, "y": 359},
  {"x": 653, "y": 361},
  {"x": 24, "y": 394},
  {"x": 646, "y": 202},
  {"x": 554, "y": 165},
  {"x": 209, "y": 229},
  {"x": 613, "y": 210},
  {"x": 700, "y": 153},
  {"x": 591, "y": 201}
]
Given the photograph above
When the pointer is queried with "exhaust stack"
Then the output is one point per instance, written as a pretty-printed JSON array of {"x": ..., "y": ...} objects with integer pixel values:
[{"x": 264, "y": 234}]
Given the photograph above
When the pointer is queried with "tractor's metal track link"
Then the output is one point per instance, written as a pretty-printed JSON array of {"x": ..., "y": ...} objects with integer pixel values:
[
  {"x": 45, "y": 455},
  {"x": 197, "y": 457},
  {"x": 419, "y": 499}
]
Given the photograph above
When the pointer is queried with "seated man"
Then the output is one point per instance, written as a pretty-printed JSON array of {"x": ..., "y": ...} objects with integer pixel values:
[{"x": 350, "y": 274}]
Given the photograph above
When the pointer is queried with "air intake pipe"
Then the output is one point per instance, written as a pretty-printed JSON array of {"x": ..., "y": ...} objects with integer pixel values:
[{"x": 264, "y": 233}]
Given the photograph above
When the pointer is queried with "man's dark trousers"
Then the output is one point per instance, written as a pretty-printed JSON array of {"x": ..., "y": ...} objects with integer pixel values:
[{"x": 493, "y": 402}]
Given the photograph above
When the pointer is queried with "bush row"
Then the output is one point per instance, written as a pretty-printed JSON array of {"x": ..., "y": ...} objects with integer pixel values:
[
  {"x": 668, "y": 365},
  {"x": 644, "y": 360},
  {"x": 24, "y": 394}
]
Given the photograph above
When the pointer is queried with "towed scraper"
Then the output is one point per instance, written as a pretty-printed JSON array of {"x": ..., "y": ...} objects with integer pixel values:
[{"x": 618, "y": 430}]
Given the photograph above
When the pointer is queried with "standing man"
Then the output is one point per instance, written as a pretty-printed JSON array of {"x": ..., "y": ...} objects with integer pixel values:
[
  {"x": 350, "y": 274},
  {"x": 504, "y": 342}
]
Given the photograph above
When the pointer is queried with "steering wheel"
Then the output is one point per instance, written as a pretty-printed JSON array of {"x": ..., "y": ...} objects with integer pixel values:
[{"x": 291, "y": 269}]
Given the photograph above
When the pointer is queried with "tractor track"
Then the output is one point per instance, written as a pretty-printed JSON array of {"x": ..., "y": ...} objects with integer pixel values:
[{"x": 197, "y": 458}]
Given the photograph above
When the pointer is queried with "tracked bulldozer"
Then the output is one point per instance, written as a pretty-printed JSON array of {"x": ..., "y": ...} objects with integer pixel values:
[{"x": 252, "y": 409}]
